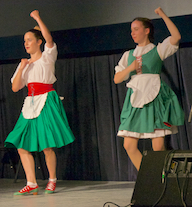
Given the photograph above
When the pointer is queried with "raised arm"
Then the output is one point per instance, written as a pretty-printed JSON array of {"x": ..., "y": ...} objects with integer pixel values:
[
  {"x": 44, "y": 30},
  {"x": 175, "y": 34}
]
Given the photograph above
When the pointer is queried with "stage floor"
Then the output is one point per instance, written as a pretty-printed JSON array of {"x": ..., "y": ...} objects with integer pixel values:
[{"x": 68, "y": 194}]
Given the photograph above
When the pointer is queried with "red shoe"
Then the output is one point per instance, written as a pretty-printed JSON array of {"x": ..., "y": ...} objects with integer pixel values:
[
  {"x": 50, "y": 188},
  {"x": 27, "y": 189}
]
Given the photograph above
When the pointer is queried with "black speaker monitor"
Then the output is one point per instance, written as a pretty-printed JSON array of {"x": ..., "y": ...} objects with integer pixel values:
[{"x": 164, "y": 179}]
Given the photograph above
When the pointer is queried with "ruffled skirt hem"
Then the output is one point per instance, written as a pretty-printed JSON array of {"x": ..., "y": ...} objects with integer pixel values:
[{"x": 155, "y": 134}]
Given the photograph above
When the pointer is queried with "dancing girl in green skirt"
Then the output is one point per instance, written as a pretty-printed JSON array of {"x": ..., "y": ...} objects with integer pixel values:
[
  {"x": 151, "y": 109},
  {"x": 42, "y": 124}
]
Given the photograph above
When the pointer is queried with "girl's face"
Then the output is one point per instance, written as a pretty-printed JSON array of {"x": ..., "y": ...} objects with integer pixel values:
[
  {"x": 32, "y": 45},
  {"x": 138, "y": 32}
]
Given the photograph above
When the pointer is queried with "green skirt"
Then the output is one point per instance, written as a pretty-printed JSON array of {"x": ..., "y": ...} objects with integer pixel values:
[
  {"x": 165, "y": 108},
  {"x": 49, "y": 129}
]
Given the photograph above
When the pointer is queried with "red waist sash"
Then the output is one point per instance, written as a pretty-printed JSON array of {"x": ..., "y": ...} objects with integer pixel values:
[{"x": 35, "y": 89}]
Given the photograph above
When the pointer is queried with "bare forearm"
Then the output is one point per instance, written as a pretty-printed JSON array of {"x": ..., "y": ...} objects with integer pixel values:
[
  {"x": 17, "y": 81},
  {"x": 175, "y": 34},
  {"x": 45, "y": 32},
  {"x": 16, "y": 85},
  {"x": 120, "y": 76}
]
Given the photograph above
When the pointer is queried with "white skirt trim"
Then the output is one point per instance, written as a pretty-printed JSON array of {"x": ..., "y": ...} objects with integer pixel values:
[{"x": 156, "y": 133}]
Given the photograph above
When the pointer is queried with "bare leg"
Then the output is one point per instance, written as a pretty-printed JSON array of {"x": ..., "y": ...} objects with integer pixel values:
[
  {"x": 158, "y": 144},
  {"x": 28, "y": 165},
  {"x": 131, "y": 147},
  {"x": 50, "y": 158}
]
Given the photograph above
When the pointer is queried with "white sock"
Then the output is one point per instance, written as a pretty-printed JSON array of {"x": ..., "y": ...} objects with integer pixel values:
[
  {"x": 53, "y": 180},
  {"x": 32, "y": 185}
]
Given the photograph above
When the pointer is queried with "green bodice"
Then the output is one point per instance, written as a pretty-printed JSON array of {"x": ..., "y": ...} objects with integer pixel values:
[{"x": 151, "y": 62}]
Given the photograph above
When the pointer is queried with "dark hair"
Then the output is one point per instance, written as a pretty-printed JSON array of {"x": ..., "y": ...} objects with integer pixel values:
[
  {"x": 37, "y": 34},
  {"x": 147, "y": 24}
]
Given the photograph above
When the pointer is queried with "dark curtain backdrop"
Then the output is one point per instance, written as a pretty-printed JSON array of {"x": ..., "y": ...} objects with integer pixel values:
[{"x": 93, "y": 104}]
